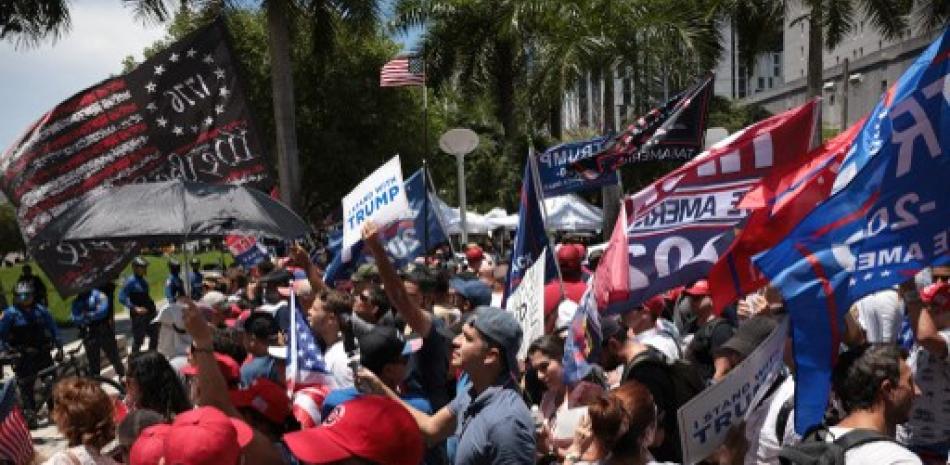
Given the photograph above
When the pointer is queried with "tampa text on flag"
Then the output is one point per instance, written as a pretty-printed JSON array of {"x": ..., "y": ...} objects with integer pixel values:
[
  {"x": 679, "y": 226},
  {"x": 180, "y": 114},
  {"x": 885, "y": 220},
  {"x": 673, "y": 131},
  {"x": 403, "y": 71}
]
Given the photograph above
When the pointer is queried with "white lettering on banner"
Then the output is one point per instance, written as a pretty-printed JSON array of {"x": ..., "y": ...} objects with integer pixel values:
[
  {"x": 527, "y": 304},
  {"x": 569, "y": 155},
  {"x": 380, "y": 197},
  {"x": 684, "y": 208},
  {"x": 921, "y": 126},
  {"x": 705, "y": 420}
]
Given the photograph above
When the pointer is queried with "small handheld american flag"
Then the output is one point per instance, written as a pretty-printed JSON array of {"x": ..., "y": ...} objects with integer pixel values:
[
  {"x": 403, "y": 71},
  {"x": 16, "y": 446},
  {"x": 305, "y": 364}
]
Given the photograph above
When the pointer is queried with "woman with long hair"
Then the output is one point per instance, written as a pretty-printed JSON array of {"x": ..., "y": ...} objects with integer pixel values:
[
  {"x": 151, "y": 383},
  {"x": 83, "y": 414},
  {"x": 545, "y": 355}
]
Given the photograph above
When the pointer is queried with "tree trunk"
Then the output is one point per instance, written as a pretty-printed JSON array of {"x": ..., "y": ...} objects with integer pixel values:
[
  {"x": 555, "y": 116},
  {"x": 282, "y": 85},
  {"x": 505, "y": 90},
  {"x": 612, "y": 193},
  {"x": 815, "y": 50}
]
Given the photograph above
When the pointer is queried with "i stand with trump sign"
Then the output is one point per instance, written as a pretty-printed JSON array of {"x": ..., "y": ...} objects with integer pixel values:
[{"x": 381, "y": 197}]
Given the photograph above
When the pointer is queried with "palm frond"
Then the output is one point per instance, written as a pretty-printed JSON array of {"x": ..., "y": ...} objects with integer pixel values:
[
  {"x": 28, "y": 22},
  {"x": 889, "y": 16}
]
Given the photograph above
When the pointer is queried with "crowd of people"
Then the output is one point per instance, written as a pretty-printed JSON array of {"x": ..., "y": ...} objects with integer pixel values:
[{"x": 420, "y": 365}]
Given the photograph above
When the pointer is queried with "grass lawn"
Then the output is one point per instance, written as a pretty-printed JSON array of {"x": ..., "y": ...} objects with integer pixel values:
[{"x": 157, "y": 272}]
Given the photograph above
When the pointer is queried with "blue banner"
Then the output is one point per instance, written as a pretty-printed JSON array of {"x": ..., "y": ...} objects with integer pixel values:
[
  {"x": 557, "y": 176},
  {"x": 530, "y": 237},
  {"x": 404, "y": 240},
  {"x": 887, "y": 219}
]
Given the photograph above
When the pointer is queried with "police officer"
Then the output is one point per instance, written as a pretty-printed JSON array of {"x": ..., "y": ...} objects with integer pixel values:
[
  {"x": 134, "y": 295},
  {"x": 195, "y": 279},
  {"x": 39, "y": 289},
  {"x": 28, "y": 328},
  {"x": 174, "y": 286},
  {"x": 90, "y": 313}
]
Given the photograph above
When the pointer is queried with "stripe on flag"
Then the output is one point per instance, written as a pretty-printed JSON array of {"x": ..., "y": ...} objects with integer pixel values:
[{"x": 403, "y": 71}]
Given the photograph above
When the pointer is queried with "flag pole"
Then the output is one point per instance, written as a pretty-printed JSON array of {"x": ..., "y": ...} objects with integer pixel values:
[{"x": 425, "y": 207}]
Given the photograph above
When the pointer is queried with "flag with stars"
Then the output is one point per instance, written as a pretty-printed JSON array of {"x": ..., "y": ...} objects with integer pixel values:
[
  {"x": 16, "y": 446},
  {"x": 180, "y": 114},
  {"x": 885, "y": 220},
  {"x": 403, "y": 71},
  {"x": 305, "y": 364}
]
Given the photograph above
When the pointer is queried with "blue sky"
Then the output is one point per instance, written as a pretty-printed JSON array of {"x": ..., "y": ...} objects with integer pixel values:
[{"x": 103, "y": 32}]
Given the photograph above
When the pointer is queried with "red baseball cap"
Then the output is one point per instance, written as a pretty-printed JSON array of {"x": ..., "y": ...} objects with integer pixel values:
[
  {"x": 474, "y": 253},
  {"x": 570, "y": 255},
  {"x": 149, "y": 448},
  {"x": 354, "y": 429},
  {"x": 205, "y": 436},
  {"x": 655, "y": 305},
  {"x": 937, "y": 296},
  {"x": 229, "y": 368},
  {"x": 700, "y": 287},
  {"x": 265, "y": 396}
]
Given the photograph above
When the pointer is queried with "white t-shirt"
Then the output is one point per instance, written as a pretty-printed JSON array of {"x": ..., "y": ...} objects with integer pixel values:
[
  {"x": 764, "y": 446},
  {"x": 929, "y": 423},
  {"x": 83, "y": 455},
  {"x": 339, "y": 366},
  {"x": 663, "y": 337},
  {"x": 876, "y": 453},
  {"x": 172, "y": 343},
  {"x": 881, "y": 315}
]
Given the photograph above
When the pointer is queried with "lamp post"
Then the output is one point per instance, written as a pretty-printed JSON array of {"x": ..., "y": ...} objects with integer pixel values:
[{"x": 460, "y": 142}]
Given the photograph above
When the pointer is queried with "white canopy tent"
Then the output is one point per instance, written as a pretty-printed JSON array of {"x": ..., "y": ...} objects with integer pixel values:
[
  {"x": 565, "y": 213},
  {"x": 451, "y": 219}
]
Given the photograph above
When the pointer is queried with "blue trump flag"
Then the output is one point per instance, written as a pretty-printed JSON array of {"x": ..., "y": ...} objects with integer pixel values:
[
  {"x": 530, "y": 237},
  {"x": 555, "y": 172},
  {"x": 584, "y": 339},
  {"x": 886, "y": 219},
  {"x": 403, "y": 240}
]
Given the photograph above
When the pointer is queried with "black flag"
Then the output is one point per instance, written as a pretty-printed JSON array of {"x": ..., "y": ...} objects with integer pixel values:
[
  {"x": 674, "y": 131},
  {"x": 180, "y": 114}
]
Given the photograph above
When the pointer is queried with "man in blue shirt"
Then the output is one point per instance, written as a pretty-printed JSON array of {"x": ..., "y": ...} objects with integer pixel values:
[
  {"x": 28, "y": 328},
  {"x": 134, "y": 295},
  {"x": 491, "y": 420},
  {"x": 195, "y": 279},
  {"x": 90, "y": 312},
  {"x": 261, "y": 331},
  {"x": 174, "y": 286}
]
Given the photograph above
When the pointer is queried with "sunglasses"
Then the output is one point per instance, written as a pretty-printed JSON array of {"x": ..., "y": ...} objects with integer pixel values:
[{"x": 944, "y": 278}]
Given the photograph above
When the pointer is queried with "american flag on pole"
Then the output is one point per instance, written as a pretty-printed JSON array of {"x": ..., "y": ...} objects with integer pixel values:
[
  {"x": 16, "y": 446},
  {"x": 180, "y": 114},
  {"x": 403, "y": 71},
  {"x": 305, "y": 365}
]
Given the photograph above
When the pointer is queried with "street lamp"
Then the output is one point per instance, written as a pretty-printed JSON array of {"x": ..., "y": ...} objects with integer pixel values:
[{"x": 460, "y": 142}]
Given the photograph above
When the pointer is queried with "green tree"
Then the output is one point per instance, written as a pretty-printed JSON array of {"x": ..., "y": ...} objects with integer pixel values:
[{"x": 29, "y": 22}]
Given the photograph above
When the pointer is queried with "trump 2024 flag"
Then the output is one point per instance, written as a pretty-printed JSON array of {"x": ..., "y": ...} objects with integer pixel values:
[{"x": 886, "y": 219}]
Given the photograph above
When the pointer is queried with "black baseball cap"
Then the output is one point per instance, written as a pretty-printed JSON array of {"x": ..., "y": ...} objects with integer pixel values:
[{"x": 381, "y": 346}]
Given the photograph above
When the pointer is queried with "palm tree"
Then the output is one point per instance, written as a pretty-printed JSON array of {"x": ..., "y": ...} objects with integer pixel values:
[{"x": 27, "y": 22}]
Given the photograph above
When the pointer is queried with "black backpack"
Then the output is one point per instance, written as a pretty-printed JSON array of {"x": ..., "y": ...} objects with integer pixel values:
[
  {"x": 684, "y": 377},
  {"x": 815, "y": 449}
]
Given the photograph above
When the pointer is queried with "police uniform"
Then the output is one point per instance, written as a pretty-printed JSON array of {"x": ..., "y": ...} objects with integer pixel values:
[
  {"x": 134, "y": 293},
  {"x": 31, "y": 331},
  {"x": 90, "y": 312},
  {"x": 195, "y": 279},
  {"x": 174, "y": 286}
]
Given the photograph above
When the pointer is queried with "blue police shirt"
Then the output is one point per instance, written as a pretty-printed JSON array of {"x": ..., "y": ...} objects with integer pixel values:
[
  {"x": 493, "y": 428},
  {"x": 132, "y": 285},
  {"x": 92, "y": 309},
  {"x": 174, "y": 288},
  {"x": 13, "y": 318}
]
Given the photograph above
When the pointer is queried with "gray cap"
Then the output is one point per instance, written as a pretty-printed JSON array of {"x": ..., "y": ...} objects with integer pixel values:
[{"x": 501, "y": 328}]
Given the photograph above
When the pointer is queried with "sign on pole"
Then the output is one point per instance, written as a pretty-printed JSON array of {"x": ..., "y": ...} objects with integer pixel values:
[
  {"x": 527, "y": 304},
  {"x": 381, "y": 197},
  {"x": 705, "y": 420}
]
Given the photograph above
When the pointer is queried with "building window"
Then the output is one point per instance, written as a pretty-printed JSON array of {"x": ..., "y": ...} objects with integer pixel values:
[
  {"x": 879, "y": 44},
  {"x": 627, "y": 91},
  {"x": 803, "y": 50},
  {"x": 776, "y": 64},
  {"x": 761, "y": 84},
  {"x": 884, "y": 86},
  {"x": 837, "y": 59},
  {"x": 802, "y": 71},
  {"x": 771, "y": 83},
  {"x": 831, "y": 100},
  {"x": 861, "y": 51}
]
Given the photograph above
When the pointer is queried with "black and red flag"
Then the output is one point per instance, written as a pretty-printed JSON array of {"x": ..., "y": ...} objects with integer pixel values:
[
  {"x": 673, "y": 131},
  {"x": 180, "y": 114}
]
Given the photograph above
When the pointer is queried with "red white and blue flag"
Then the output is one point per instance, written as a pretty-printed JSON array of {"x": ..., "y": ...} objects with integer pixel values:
[
  {"x": 531, "y": 240},
  {"x": 179, "y": 115},
  {"x": 885, "y": 220},
  {"x": 246, "y": 250},
  {"x": 679, "y": 226},
  {"x": 305, "y": 364},
  {"x": 583, "y": 343},
  {"x": 16, "y": 446}
]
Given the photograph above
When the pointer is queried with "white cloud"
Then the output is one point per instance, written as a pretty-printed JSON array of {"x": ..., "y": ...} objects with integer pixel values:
[{"x": 34, "y": 80}]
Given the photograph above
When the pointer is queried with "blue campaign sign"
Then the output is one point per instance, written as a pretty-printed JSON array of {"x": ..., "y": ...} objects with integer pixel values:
[
  {"x": 887, "y": 219},
  {"x": 554, "y": 167}
]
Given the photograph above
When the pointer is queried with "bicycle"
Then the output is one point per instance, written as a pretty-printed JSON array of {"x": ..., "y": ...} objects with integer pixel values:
[{"x": 47, "y": 378}]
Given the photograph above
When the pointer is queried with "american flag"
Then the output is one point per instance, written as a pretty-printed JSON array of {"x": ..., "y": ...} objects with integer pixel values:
[
  {"x": 403, "y": 71},
  {"x": 180, "y": 114},
  {"x": 16, "y": 446},
  {"x": 305, "y": 365}
]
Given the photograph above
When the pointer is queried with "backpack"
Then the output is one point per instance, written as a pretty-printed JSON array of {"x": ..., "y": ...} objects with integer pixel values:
[{"x": 817, "y": 450}]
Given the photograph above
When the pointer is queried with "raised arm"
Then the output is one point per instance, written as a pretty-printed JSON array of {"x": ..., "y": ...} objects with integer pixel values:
[
  {"x": 922, "y": 321},
  {"x": 435, "y": 428},
  {"x": 418, "y": 320},
  {"x": 301, "y": 258}
]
